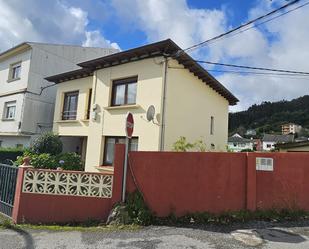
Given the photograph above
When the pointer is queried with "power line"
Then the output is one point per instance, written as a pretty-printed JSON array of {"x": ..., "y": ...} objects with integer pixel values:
[
  {"x": 240, "y": 27},
  {"x": 265, "y": 74},
  {"x": 259, "y": 24},
  {"x": 271, "y": 75},
  {"x": 253, "y": 68}
]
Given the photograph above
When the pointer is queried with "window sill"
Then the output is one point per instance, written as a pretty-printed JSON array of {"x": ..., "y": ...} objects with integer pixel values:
[
  {"x": 8, "y": 119},
  {"x": 11, "y": 80},
  {"x": 121, "y": 107},
  {"x": 67, "y": 121},
  {"x": 85, "y": 120},
  {"x": 106, "y": 169}
]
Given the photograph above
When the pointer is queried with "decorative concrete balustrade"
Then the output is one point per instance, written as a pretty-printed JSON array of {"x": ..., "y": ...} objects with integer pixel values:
[{"x": 67, "y": 183}]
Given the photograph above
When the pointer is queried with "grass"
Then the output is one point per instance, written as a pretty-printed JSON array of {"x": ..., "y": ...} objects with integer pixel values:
[
  {"x": 100, "y": 228},
  {"x": 241, "y": 216},
  {"x": 6, "y": 223}
]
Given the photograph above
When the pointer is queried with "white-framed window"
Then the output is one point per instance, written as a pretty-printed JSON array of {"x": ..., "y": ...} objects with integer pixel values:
[
  {"x": 109, "y": 147},
  {"x": 69, "y": 111},
  {"x": 15, "y": 70},
  {"x": 264, "y": 163},
  {"x": 9, "y": 110},
  {"x": 212, "y": 123}
]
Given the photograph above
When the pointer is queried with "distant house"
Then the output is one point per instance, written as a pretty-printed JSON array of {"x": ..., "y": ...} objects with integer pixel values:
[
  {"x": 290, "y": 128},
  {"x": 257, "y": 145},
  {"x": 301, "y": 139},
  {"x": 250, "y": 132},
  {"x": 237, "y": 143},
  {"x": 269, "y": 140},
  {"x": 302, "y": 146}
]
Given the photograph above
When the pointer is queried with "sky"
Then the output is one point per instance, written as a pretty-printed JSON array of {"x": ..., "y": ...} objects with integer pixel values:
[{"x": 124, "y": 24}]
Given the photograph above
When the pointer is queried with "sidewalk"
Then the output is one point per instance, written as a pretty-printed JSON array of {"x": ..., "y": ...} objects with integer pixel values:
[{"x": 241, "y": 236}]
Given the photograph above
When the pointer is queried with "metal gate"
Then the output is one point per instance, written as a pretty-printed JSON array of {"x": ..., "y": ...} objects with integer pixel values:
[{"x": 8, "y": 177}]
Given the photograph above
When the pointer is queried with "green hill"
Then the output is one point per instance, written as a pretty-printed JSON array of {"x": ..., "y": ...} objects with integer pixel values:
[{"x": 269, "y": 116}]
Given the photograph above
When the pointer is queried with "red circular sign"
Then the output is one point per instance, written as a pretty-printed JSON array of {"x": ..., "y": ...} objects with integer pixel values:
[{"x": 129, "y": 125}]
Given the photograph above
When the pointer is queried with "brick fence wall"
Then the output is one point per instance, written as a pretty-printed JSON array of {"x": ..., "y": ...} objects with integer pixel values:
[
  {"x": 180, "y": 183},
  {"x": 51, "y": 196},
  {"x": 171, "y": 182}
]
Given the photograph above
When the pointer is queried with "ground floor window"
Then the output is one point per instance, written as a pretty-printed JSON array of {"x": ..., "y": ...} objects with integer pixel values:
[{"x": 109, "y": 147}]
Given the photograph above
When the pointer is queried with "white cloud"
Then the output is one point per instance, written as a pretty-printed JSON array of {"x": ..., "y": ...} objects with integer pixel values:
[
  {"x": 282, "y": 43},
  {"x": 46, "y": 21},
  {"x": 95, "y": 39},
  {"x": 161, "y": 19}
]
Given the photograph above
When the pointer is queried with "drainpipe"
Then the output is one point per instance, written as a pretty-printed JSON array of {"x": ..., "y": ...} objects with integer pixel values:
[{"x": 163, "y": 104}]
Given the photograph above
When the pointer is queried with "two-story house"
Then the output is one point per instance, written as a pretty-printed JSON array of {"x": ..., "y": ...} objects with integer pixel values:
[
  {"x": 26, "y": 100},
  {"x": 271, "y": 140},
  {"x": 92, "y": 103},
  {"x": 237, "y": 143}
]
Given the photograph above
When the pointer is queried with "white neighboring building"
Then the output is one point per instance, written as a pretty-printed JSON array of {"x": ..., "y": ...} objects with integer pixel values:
[
  {"x": 237, "y": 143},
  {"x": 26, "y": 106},
  {"x": 269, "y": 140},
  {"x": 290, "y": 128}
]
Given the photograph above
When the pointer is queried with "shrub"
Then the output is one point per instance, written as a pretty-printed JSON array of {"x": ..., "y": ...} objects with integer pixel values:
[
  {"x": 247, "y": 150},
  {"x": 47, "y": 143},
  {"x": 43, "y": 161},
  {"x": 9, "y": 155},
  {"x": 67, "y": 161},
  {"x": 181, "y": 145},
  {"x": 70, "y": 161},
  {"x": 138, "y": 210}
]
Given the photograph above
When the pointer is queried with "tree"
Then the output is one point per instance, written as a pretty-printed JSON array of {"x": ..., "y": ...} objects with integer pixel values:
[{"x": 47, "y": 143}]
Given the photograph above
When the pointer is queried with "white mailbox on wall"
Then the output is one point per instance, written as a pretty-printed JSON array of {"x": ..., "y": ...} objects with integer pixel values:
[{"x": 265, "y": 163}]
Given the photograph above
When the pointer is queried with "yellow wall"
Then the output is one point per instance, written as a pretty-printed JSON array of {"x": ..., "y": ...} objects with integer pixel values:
[
  {"x": 302, "y": 148},
  {"x": 78, "y": 127},
  {"x": 189, "y": 105}
]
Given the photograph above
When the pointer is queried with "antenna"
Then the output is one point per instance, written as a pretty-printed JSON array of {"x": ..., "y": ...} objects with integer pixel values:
[{"x": 150, "y": 113}]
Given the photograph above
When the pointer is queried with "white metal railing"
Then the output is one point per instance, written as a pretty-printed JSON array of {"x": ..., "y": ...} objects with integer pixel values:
[
  {"x": 68, "y": 115},
  {"x": 67, "y": 183}
]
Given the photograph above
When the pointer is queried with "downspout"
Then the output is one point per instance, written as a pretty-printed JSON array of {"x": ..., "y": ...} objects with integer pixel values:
[
  {"x": 24, "y": 98},
  {"x": 95, "y": 87},
  {"x": 163, "y": 104}
]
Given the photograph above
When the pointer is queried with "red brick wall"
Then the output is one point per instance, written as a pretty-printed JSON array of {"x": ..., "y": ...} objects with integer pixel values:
[
  {"x": 214, "y": 182},
  {"x": 48, "y": 208},
  {"x": 180, "y": 183},
  {"x": 285, "y": 187}
]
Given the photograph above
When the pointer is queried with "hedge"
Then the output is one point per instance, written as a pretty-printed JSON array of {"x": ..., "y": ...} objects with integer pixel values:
[{"x": 9, "y": 155}]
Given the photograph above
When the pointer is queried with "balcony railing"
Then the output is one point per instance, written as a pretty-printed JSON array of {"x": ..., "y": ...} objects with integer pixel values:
[{"x": 68, "y": 115}]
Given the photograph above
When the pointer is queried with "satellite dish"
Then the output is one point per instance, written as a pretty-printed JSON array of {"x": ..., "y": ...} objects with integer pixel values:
[{"x": 151, "y": 113}]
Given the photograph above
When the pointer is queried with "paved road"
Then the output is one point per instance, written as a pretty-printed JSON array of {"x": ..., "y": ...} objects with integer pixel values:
[{"x": 256, "y": 236}]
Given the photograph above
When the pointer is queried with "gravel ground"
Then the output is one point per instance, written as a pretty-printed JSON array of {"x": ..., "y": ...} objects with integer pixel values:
[{"x": 250, "y": 235}]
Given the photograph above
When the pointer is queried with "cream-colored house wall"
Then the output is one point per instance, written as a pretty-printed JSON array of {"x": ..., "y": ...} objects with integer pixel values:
[
  {"x": 302, "y": 148},
  {"x": 78, "y": 127},
  {"x": 110, "y": 121},
  {"x": 190, "y": 103}
]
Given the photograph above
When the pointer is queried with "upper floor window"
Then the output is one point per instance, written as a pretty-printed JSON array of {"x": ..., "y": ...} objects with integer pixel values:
[
  {"x": 124, "y": 91},
  {"x": 15, "y": 70},
  {"x": 9, "y": 110},
  {"x": 70, "y": 106},
  {"x": 212, "y": 123}
]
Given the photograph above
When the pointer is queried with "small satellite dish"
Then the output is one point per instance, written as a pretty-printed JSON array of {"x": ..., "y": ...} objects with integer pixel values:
[{"x": 151, "y": 113}]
